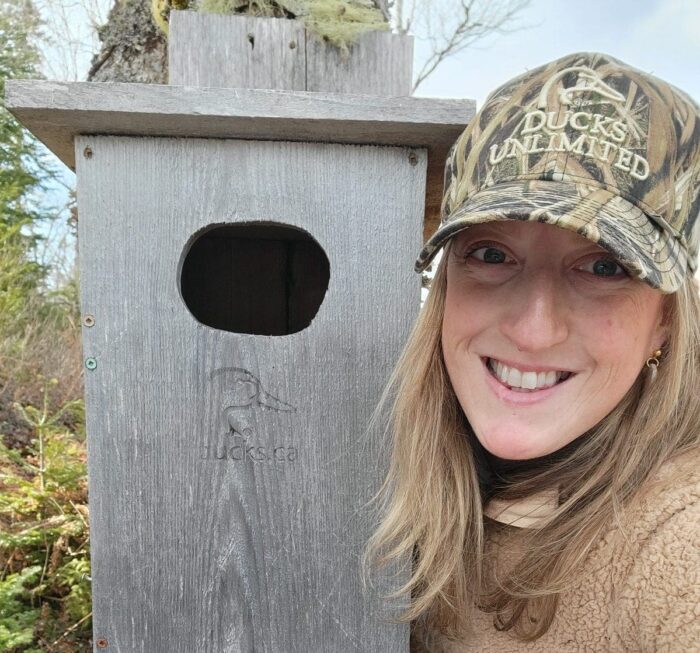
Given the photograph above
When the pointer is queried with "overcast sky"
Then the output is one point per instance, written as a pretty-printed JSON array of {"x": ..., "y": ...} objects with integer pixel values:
[{"x": 658, "y": 36}]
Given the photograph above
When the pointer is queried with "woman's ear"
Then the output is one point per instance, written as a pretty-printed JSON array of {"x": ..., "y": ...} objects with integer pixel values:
[{"x": 663, "y": 325}]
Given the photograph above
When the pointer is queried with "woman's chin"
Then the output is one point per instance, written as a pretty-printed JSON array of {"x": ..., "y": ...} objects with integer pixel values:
[{"x": 517, "y": 443}]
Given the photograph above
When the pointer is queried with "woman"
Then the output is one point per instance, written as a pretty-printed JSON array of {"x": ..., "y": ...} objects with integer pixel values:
[{"x": 545, "y": 417}]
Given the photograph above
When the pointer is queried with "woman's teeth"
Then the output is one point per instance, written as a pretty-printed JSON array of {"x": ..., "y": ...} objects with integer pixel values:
[{"x": 525, "y": 380}]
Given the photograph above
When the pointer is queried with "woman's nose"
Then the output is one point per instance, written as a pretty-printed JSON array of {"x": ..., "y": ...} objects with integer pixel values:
[{"x": 537, "y": 315}]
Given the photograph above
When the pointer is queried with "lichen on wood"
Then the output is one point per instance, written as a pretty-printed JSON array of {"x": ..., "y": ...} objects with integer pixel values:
[
  {"x": 339, "y": 22},
  {"x": 133, "y": 48}
]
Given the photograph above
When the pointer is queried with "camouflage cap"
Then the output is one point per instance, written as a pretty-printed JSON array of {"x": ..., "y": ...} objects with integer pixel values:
[{"x": 590, "y": 144}]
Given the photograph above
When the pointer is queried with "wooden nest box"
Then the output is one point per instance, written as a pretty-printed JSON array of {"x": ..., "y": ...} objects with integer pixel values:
[{"x": 247, "y": 237}]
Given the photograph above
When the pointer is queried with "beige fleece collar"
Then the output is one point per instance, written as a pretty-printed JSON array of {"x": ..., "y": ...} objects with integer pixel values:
[{"x": 523, "y": 513}]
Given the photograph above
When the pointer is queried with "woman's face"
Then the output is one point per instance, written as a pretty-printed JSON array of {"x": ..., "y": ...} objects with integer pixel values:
[{"x": 543, "y": 334}]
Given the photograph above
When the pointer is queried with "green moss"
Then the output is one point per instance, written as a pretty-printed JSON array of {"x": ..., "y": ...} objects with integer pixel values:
[
  {"x": 339, "y": 22},
  {"x": 266, "y": 8}
]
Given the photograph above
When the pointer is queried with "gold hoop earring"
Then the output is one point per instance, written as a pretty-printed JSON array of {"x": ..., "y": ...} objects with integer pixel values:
[{"x": 653, "y": 363}]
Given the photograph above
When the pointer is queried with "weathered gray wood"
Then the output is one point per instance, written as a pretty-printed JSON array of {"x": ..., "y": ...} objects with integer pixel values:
[
  {"x": 56, "y": 112},
  {"x": 275, "y": 53},
  {"x": 236, "y": 51},
  {"x": 380, "y": 63},
  {"x": 193, "y": 552}
]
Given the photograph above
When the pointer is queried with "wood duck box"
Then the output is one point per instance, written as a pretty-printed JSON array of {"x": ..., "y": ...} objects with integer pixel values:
[{"x": 247, "y": 284}]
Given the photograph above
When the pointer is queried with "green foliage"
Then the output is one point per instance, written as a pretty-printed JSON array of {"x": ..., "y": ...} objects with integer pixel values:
[
  {"x": 22, "y": 172},
  {"x": 19, "y": 279},
  {"x": 45, "y": 597},
  {"x": 38, "y": 334},
  {"x": 75, "y": 575},
  {"x": 16, "y": 620},
  {"x": 44, "y": 547},
  {"x": 23, "y": 166}
]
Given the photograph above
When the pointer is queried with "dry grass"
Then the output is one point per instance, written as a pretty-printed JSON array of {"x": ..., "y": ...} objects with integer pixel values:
[{"x": 47, "y": 346}]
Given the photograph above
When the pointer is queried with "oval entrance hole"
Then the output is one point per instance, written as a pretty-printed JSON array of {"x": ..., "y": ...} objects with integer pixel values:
[{"x": 265, "y": 279}]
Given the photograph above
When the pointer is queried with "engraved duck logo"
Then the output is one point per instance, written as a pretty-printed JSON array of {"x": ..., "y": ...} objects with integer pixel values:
[{"x": 242, "y": 393}]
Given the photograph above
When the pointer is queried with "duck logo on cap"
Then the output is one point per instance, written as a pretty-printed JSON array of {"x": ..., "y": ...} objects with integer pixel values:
[
  {"x": 588, "y": 119},
  {"x": 592, "y": 145},
  {"x": 588, "y": 81}
]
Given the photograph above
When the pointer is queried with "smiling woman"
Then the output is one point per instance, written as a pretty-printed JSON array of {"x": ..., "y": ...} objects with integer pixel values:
[
  {"x": 543, "y": 334},
  {"x": 544, "y": 477}
]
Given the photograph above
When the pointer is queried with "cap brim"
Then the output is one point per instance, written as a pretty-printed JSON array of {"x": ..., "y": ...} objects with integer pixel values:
[{"x": 644, "y": 248}]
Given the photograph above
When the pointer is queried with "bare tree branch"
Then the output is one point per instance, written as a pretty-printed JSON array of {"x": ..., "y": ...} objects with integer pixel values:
[
  {"x": 450, "y": 26},
  {"x": 70, "y": 35}
]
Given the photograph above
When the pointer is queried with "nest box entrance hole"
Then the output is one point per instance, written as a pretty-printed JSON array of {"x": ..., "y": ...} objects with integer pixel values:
[{"x": 258, "y": 278}]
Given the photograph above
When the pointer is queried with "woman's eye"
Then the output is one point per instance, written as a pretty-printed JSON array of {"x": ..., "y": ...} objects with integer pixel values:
[
  {"x": 489, "y": 255},
  {"x": 604, "y": 267}
]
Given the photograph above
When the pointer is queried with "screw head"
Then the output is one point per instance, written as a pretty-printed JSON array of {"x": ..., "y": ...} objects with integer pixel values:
[
  {"x": 87, "y": 153},
  {"x": 101, "y": 643},
  {"x": 412, "y": 158},
  {"x": 90, "y": 363},
  {"x": 89, "y": 320},
  {"x": 292, "y": 45}
]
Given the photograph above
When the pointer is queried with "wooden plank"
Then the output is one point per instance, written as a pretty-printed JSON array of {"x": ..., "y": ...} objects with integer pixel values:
[
  {"x": 380, "y": 63},
  {"x": 58, "y": 111},
  {"x": 276, "y": 53},
  {"x": 236, "y": 51},
  {"x": 204, "y": 539}
]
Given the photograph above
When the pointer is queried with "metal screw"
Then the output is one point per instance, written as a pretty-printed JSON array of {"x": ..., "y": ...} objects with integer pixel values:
[
  {"x": 413, "y": 159},
  {"x": 90, "y": 363},
  {"x": 89, "y": 320},
  {"x": 292, "y": 44},
  {"x": 87, "y": 153},
  {"x": 102, "y": 643}
]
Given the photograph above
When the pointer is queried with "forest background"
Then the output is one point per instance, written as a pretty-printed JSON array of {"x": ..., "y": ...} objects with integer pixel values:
[{"x": 463, "y": 48}]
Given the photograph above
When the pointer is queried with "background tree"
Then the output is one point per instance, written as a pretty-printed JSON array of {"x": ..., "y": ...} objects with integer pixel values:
[
  {"x": 134, "y": 38},
  {"x": 23, "y": 172},
  {"x": 23, "y": 169},
  {"x": 29, "y": 308},
  {"x": 44, "y": 557},
  {"x": 450, "y": 26},
  {"x": 134, "y": 41}
]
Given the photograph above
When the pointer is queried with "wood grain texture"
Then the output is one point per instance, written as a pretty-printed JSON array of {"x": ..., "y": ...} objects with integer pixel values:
[
  {"x": 56, "y": 112},
  {"x": 218, "y": 525},
  {"x": 236, "y": 51},
  {"x": 276, "y": 53},
  {"x": 380, "y": 63}
]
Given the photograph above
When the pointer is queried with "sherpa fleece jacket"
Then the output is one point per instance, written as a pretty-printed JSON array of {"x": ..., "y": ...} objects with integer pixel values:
[{"x": 638, "y": 593}]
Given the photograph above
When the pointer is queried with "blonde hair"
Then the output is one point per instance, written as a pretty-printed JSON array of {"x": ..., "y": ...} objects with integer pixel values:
[{"x": 431, "y": 499}]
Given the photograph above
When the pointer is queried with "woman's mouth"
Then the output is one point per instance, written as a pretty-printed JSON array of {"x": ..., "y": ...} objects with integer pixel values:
[{"x": 523, "y": 380}]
